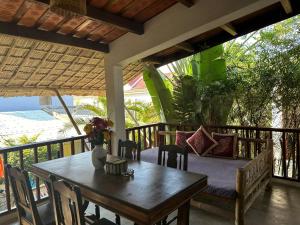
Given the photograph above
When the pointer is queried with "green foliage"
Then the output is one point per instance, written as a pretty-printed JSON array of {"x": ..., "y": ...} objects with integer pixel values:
[
  {"x": 144, "y": 112},
  {"x": 214, "y": 102},
  {"x": 252, "y": 101},
  {"x": 184, "y": 93},
  {"x": 214, "y": 98},
  {"x": 160, "y": 94},
  {"x": 242, "y": 81},
  {"x": 28, "y": 154},
  {"x": 137, "y": 113},
  {"x": 99, "y": 109},
  {"x": 22, "y": 140},
  {"x": 201, "y": 87},
  {"x": 212, "y": 65},
  {"x": 266, "y": 65}
]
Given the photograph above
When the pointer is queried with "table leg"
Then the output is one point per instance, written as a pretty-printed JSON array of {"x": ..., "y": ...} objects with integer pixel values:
[{"x": 184, "y": 214}]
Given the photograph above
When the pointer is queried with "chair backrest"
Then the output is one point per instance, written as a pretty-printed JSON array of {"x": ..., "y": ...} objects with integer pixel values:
[
  {"x": 67, "y": 203},
  {"x": 168, "y": 156},
  {"x": 129, "y": 150},
  {"x": 25, "y": 204}
]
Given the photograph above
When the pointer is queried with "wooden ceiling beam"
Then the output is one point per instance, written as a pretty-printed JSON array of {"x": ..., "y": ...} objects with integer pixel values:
[
  {"x": 187, "y": 3},
  {"x": 152, "y": 60},
  {"x": 21, "y": 31},
  {"x": 111, "y": 18},
  {"x": 287, "y": 6},
  {"x": 186, "y": 47},
  {"x": 229, "y": 29}
]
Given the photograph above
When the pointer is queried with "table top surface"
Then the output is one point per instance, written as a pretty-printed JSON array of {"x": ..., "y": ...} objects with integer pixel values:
[{"x": 149, "y": 188}]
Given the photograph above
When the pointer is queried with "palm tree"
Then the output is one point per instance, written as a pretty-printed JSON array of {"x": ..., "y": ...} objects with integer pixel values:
[{"x": 137, "y": 113}]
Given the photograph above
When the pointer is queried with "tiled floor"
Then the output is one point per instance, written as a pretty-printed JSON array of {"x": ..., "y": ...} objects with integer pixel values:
[{"x": 281, "y": 206}]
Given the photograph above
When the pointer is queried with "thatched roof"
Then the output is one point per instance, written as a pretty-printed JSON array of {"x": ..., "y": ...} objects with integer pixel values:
[
  {"x": 29, "y": 67},
  {"x": 71, "y": 61}
]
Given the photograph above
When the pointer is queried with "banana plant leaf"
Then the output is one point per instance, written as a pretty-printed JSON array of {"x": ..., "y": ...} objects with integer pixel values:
[
  {"x": 212, "y": 69},
  {"x": 212, "y": 65},
  {"x": 160, "y": 94}
]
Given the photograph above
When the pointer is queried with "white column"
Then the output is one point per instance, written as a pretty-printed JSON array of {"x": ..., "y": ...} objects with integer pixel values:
[{"x": 115, "y": 102}]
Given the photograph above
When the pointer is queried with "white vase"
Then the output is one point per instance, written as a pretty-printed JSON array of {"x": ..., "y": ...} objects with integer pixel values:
[{"x": 99, "y": 157}]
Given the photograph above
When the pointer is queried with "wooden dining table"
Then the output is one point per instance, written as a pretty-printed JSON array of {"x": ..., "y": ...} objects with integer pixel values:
[{"x": 145, "y": 198}]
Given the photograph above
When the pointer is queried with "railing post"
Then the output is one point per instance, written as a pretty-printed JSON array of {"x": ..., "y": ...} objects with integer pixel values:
[
  {"x": 72, "y": 147},
  {"x": 21, "y": 157},
  {"x": 139, "y": 136},
  {"x": 248, "y": 146},
  {"x": 258, "y": 145},
  {"x": 49, "y": 155},
  {"x": 133, "y": 135},
  {"x": 150, "y": 137},
  {"x": 271, "y": 138},
  {"x": 37, "y": 179},
  {"x": 160, "y": 138},
  {"x": 145, "y": 138},
  {"x": 82, "y": 144},
  {"x": 154, "y": 144},
  {"x": 284, "y": 155},
  {"x": 298, "y": 155},
  {"x": 61, "y": 149},
  {"x": 6, "y": 180}
]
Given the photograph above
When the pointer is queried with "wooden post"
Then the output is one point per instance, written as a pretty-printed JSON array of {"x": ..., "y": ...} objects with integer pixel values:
[
  {"x": 269, "y": 148},
  {"x": 69, "y": 115},
  {"x": 239, "y": 203}
]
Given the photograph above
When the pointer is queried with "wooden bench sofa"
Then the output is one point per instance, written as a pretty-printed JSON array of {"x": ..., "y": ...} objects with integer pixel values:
[{"x": 236, "y": 184}]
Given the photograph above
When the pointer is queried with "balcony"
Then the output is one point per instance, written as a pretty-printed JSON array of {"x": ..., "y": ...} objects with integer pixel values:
[{"x": 277, "y": 206}]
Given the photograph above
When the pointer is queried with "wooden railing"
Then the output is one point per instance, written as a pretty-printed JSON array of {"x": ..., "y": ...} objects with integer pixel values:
[
  {"x": 145, "y": 135},
  {"x": 25, "y": 155},
  {"x": 286, "y": 148},
  {"x": 286, "y": 159}
]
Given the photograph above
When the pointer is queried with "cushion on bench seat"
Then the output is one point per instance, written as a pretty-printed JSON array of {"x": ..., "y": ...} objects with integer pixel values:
[{"x": 221, "y": 172}]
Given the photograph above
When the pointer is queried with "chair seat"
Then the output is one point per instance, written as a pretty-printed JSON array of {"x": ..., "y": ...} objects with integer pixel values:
[{"x": 45, "y": 212}]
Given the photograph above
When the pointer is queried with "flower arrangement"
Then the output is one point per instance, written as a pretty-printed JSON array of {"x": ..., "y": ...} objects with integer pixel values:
[{"x": 98, "y": 130}]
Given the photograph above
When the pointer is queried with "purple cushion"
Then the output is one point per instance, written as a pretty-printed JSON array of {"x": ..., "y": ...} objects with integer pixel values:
[
  {"x": 181, "y": 137},
  {"x": 201, "y": 142},
  {"x": 227, "y": 145}
]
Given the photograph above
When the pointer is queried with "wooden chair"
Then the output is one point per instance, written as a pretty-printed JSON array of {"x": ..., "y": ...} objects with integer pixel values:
[
  {"x": 28, "y": 212},
  {"x": 168, "y": 156},
  {"x": 129, "y": 150},
  {"x": 67, "y": 202}
]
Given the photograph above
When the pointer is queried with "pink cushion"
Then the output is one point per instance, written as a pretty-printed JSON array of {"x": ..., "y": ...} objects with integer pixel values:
[
  {"x": 201, "y": 142},
  {"x": 181, "y": 137},
  {"x": 227, "y": 146}
]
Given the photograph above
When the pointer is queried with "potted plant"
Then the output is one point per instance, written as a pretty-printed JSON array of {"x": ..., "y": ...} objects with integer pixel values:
[{"x": 98, "y": 132}]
